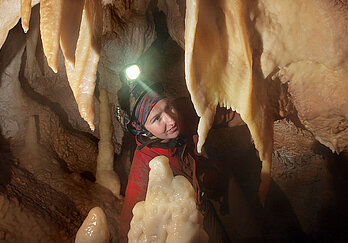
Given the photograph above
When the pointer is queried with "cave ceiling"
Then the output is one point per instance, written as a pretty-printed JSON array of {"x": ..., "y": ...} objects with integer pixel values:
[
  {"x": 282, "y": 65},
  {"x": 307, "y": 53}
]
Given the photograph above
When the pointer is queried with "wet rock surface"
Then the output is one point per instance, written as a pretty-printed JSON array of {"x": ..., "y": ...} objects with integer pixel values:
[{"x": 48, "y": 154}]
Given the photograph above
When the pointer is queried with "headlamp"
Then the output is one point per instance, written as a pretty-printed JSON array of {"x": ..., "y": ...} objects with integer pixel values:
[
  {"x": 132, "y": 72},
  {"x": 134, "y": 87}
]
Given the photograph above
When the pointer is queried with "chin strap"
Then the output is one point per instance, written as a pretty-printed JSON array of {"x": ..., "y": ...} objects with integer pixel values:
[
  {"x": 130, "y": 126},
  {"x": 148, "y": 142},
  {"x": 157, "y": 142}
]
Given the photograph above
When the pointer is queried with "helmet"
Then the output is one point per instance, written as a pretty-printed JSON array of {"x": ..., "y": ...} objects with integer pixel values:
[{"x": 129, "y": 96}]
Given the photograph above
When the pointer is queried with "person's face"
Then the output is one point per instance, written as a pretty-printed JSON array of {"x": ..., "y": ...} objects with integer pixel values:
[{"x": 162, "y": 121}]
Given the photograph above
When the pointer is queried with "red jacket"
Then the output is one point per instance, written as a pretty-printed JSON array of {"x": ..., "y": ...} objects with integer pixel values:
[
  {"x": 139, "y": 175},
  {"x": 183, "y": 160},
  {"x": 181, "y": 157}
]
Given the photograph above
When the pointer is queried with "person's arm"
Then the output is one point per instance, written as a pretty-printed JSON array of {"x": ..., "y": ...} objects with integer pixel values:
[{"x": 136, "y": 189}]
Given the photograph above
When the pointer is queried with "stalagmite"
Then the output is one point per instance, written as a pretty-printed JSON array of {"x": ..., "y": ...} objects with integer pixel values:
[
  {"x": 105, "y": 175},
  {"x": 218, "y": 66},
  {"x": 169, "y": 212},
  {"x": 94, "y": 228}
]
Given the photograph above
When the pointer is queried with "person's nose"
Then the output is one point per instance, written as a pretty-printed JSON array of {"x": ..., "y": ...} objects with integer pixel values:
[{"x": 168, "y": 118}]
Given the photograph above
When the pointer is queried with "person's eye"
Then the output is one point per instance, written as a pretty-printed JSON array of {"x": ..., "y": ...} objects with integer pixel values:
[{"x": 156, "y": 118}]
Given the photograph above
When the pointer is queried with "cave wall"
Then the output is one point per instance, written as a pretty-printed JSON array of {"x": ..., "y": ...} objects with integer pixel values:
[
  {"x": 48, "y": 166},
  {"x": 48, "y": 153}
]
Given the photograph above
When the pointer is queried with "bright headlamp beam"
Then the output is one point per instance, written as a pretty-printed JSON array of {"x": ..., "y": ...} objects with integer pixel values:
[{"x": 132, "y": 72}]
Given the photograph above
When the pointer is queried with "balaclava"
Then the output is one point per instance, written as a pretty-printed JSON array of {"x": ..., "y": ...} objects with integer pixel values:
[{"x": 143, "y": 107}]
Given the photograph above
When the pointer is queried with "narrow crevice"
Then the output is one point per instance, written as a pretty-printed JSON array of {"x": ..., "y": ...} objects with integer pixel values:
[{"x": 54, "y": 107}]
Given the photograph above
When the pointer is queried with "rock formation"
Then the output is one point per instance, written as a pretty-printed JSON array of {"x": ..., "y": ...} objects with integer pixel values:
[{"x": 282, "y": 65}]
